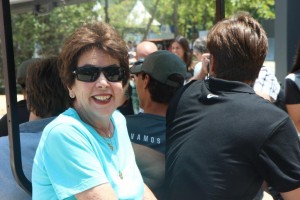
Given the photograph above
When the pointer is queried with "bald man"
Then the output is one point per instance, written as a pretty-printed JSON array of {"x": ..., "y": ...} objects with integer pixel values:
[{"x": 145, "y": 48}]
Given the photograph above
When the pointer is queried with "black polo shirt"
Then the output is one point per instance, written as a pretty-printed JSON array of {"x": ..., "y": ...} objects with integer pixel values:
[{"x": 223, "y": 140}]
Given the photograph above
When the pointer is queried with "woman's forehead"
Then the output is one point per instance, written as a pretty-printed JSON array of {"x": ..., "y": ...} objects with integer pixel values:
[{"x": 96, "y": 57}]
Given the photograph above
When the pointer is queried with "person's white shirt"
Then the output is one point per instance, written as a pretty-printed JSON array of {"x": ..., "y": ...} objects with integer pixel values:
[{"x": 197, "y": 68}]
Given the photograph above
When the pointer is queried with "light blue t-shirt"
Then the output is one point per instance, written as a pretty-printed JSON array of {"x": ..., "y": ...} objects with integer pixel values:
[{"x": 72, "y": 157}]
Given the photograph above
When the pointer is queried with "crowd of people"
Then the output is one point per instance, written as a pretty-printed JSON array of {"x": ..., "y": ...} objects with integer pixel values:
[{"x": 197, "y": 121}]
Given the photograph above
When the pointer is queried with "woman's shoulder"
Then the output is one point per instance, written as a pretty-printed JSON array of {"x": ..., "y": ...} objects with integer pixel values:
[{"x": 65, "y": 121}]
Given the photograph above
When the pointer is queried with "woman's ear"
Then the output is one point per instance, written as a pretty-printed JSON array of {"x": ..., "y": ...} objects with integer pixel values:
[{"x": 71, "y": 93}]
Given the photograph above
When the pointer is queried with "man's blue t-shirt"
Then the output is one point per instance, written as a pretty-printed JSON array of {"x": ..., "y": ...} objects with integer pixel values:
[{"x": 147, "y": 129}]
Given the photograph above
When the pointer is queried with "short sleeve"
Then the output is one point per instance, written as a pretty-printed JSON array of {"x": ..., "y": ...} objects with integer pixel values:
[
  {"x": 292, "y": 92},
  {"x": 279, "y": 158}
]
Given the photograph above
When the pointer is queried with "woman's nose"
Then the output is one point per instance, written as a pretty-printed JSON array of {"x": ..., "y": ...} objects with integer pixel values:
[{"x": 102, "y": 81}]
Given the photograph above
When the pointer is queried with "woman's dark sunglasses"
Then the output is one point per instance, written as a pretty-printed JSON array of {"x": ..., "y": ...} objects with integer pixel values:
[{"x": 90, "y": 73}]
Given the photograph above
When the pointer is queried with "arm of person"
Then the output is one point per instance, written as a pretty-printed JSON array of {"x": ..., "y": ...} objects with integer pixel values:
[
  {"x": 100, "y": 192},
  {"x": 291, "y": 195},
  {"x": 148, "y": 194},
  {"x": 152, "y": 166},
  {"x": 264, "y": 95},
  {"x": 294, "y": 112}
]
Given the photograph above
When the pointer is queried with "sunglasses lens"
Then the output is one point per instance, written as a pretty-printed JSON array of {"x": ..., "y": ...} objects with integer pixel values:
[
  {"x": 87, "y": 74},
  {"x": 90, "y": 73},
  {"x": 113, "y": 73}
]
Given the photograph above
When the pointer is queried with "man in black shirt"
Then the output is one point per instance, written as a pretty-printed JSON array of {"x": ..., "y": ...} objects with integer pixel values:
[{"x": 223, "y": 140}]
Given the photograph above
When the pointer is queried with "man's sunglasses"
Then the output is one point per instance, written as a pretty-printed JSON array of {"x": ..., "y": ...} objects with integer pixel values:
[{"x": 90, "y": 73}]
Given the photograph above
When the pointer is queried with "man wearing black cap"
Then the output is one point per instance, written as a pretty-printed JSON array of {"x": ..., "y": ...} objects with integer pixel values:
[
  {"x": 156, "y": 79},
  {"x": 23, "y": 113}
]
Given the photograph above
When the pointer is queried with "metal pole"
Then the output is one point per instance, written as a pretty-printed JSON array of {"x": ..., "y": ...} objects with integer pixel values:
[
  {"x": 11, "y": 97},
  {"x": 220, "y": 10}
]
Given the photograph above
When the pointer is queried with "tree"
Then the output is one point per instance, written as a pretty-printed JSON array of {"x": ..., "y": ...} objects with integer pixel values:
[
  {"x": 106, "y": 12},
  {"x": 201, "y": 13},
  {"x": 46, "y": 33},
  {"x": 118, "y": 13},
  {"x": 151, "y": 19}
]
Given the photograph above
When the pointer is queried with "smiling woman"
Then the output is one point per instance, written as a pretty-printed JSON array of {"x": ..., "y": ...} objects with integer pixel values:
[{"x": 97, "y": 158}]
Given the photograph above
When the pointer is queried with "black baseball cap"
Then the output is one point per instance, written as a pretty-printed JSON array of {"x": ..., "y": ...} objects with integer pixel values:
[{"x": 160, "y": 65}]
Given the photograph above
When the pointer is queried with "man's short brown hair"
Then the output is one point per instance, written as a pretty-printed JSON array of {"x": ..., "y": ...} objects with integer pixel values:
[{"x": 239, "y": 46}]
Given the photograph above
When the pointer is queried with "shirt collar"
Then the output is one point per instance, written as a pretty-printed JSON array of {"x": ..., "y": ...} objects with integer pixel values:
[
  {"x": 35, "y": 126},
  {"x": 228, "y": 86}
]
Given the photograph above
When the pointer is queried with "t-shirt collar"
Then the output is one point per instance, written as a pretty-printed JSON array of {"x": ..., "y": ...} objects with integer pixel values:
[{"x": 228, "y": 86}]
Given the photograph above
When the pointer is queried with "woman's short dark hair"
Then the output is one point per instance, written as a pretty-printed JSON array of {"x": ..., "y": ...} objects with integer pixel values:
[
  {"x": 97, "y": 35},
  {"x": 239, "y": 46}
]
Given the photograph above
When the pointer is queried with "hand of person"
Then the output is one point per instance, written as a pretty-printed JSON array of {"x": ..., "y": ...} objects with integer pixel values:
[
  {"x": 205, "y": 64},
  {"x": 204, "y": 69}
]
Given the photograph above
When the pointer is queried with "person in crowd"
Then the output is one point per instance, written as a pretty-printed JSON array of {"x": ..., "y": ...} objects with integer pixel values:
[
  {"x": 160, "y": 47},
  {"x": 266, "y": 84},
  {"x": 132, "y": 57},
  {"x": 131, "y": 103},
  {"x": 143, "y": 49},
  {"x": 180, "y": 47},
  {"x": 46, "y": 98},
  {"x": 161, "y": 73},
  {"x": 292, "y": 91},
  {"x": 93, "y": 155},
  {"x": 131, "y": 45},
  {"x": 223, "y": 140},
  {"x": 199, "y": 48},
  {"x": 23, "y": 113}
]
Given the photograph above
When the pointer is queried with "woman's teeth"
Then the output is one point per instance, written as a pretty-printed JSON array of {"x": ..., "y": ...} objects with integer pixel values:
[{"x": 102, "y": 98}]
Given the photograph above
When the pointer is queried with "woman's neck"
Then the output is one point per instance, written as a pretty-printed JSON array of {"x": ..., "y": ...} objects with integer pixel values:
[{"x": 101, "y": 125}]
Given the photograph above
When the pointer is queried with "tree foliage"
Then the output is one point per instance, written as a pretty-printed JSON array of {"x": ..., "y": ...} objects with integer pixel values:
[
  {"x": 200, "y": 14},
  {"x": 46, "y": 33}
]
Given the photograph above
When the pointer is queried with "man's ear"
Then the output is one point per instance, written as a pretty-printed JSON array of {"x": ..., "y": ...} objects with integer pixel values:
[{"x": 146, "y": 81}]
